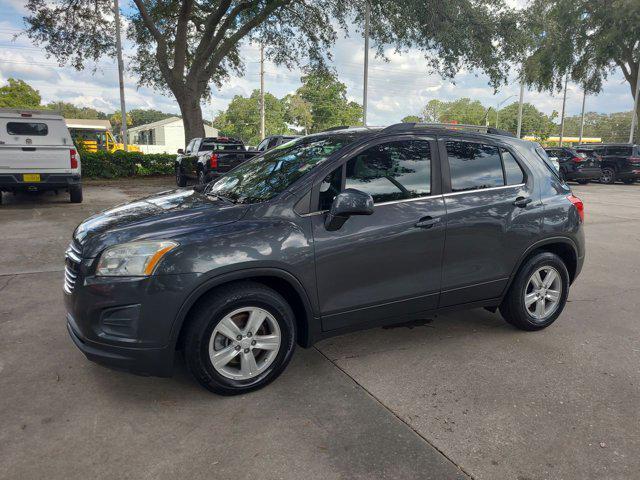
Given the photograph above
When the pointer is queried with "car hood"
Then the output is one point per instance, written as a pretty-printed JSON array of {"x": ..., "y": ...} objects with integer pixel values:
[{"x": 165, "y": 215}]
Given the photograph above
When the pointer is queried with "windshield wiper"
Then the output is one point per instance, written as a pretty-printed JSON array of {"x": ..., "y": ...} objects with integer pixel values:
[{"x": 220, "y": 197}]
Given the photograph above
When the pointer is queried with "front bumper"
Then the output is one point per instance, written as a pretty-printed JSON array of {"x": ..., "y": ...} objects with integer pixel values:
[
  {"x": 127, "y": 323},
  {"x": 12, "y": 182}
]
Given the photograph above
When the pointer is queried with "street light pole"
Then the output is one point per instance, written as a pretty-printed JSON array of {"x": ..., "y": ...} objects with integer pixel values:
[
  {"x": 634, "y": 114},
  {"x": 367, "y": 14},
  {"x": 520, "y": 109},
  {"x": 584, "y": 99},
  {"x": 262, "y": 132},
  {"x": 564, "y": 102},
  {"x": 498, "y": 107},
  {"x": 123, "y": 110}
]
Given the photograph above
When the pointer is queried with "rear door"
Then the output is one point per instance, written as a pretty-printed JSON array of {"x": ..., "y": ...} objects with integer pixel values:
[
  {"x": 387, "y": 264},
  {"x": 492, "y": 213},
  {"x": 34, "y": 144}
]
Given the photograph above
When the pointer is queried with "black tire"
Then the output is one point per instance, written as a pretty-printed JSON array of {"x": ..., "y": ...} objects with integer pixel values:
[
  {"x": 608, "y": 176},
  {"x": 212, "y": 311},
  {"x": 583, "y": 182},
  {"x": 75, "y": 194},
  {"x": 181, "y": 180},
  {"x": 513, "y": 308},
  {"x": 202, "y": 177},
  {"x": 629, "y": 181},
  {"x": 0, "y": 197}
]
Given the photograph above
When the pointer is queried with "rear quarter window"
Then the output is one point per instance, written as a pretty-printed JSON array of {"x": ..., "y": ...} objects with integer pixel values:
[{"x": 33, "y": 129}]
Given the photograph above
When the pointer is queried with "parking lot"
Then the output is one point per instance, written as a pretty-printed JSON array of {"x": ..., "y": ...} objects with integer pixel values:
[{"x": 461, "y": 395}]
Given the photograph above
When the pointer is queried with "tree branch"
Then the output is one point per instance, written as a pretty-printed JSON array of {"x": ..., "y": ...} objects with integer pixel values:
[
  {"x": 180, "y": 54},
  {"x": 161, "y": 44}
]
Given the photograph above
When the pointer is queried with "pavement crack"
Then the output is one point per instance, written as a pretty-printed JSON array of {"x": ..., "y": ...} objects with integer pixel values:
[
  {"x": 425, "y": 439},
  {"x": 8, "y": 281}
]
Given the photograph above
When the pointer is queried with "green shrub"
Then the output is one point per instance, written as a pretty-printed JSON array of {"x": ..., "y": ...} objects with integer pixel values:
[{"x": 126, "y": 164}]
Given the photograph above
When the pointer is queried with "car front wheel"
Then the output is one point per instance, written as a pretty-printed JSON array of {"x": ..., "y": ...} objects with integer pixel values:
[
  {"x": 608, "y": 175},
  {"x": 538, "y": 294},
  {"x": 240, "y": 338}
]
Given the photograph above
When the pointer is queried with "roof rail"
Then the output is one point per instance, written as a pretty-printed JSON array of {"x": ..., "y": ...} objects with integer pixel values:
[{"x": 402, "y": 127}]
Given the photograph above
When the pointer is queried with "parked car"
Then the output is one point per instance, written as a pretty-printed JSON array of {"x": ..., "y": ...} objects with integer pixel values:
[
  {"x": 286, "y": 249},
  {"x": 619, "y": 161},
  {"x": 206, "y": 158},
  {"x": 37, "y": 154},
  {"x": 274, "y": 141},
  {"x": 575, "y": 165}
]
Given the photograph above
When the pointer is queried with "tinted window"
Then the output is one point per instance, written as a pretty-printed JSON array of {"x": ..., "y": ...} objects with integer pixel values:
[
  {"x": 620, "y": 151},
  {"x": 474, "y": 166},
  {"x": 27, "y": 128},
  {"x": 512, "y": 172},
  {"x": 273, "y": 142},
  {"x": 221, "y": 146},
  {"x": 392, "y": 171}
]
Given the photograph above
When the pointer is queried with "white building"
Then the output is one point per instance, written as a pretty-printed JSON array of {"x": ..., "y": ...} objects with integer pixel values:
[{"x": 163, "y": 136}]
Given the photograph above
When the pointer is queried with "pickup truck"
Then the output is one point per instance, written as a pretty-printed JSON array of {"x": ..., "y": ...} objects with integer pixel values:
[
  {"x": 37, "y": 153},
  {"x": 207, "y": 158}
]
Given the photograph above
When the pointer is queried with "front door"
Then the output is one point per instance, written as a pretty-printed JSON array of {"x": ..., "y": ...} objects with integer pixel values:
[{"x": 387, "y": 264}]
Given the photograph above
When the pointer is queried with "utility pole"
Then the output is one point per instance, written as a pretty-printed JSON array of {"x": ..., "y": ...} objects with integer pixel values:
[
  {"x": 584, "y": 99},
  {"x": 367, "y": 14},
  {"x": 520, "y": 108},
  {"x": 634, "y": 114},
  {"x": 123, "y": 109},
  {"x": 262, "y": 134},
  {"x": 564, "y": 102}
]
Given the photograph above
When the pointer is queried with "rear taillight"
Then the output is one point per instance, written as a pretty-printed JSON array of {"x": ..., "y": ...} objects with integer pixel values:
[
  {"x": 634, "y": 159},
  {"x": 213, "y": 161},
  {"x": 578, "y": 204},
  {"x": 73, "y": 157},
  {"x": 577, "y": 159}
]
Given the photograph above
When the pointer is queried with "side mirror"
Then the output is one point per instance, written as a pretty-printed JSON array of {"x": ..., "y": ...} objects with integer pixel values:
[
  {"x": 345, "y": 204},
  {"x": 180, "y": 151}
]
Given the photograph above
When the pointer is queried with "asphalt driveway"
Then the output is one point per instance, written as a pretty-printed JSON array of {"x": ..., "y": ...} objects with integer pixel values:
[{"x": 456, "y": 396}]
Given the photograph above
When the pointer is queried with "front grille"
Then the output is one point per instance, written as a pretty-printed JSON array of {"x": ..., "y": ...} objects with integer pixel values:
[{"x": 72, "y": 259}]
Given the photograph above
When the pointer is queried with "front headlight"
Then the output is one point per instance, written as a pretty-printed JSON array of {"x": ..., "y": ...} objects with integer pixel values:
[{"x": 133, "y": 259}]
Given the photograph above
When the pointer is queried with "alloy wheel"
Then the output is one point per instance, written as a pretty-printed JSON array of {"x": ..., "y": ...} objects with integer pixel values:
[
  {"x": 607, "y": 175},
  {"x": 543, "y": 292},
  {"x": 244, "y": 343}
]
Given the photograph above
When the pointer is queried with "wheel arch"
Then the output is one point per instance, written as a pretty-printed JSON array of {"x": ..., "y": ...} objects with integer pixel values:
[
  {"x": 279, "y": 280},
  {"x": 564, "y": 247}
]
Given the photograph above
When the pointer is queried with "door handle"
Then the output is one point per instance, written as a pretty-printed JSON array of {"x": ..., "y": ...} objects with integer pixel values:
[
  {"x": 522, "y": 202},
  {"x": 427, "y": 222}
]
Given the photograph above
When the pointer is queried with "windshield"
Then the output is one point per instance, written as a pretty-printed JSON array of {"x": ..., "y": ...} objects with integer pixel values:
[{"x": 266, "y": 175}]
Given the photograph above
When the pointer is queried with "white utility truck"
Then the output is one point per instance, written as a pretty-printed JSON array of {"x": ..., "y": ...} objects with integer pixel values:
[{"x": 37, "y": 153}]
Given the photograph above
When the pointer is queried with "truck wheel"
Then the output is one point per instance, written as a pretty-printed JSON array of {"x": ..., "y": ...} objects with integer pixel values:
[
  {"x": 75, "y": 194},
  {"x": 181, "y": 180},
  {"x": 538, "y": 294},
  {"x": 240, "y": 338},
  {"x": 608, "y": 175}
]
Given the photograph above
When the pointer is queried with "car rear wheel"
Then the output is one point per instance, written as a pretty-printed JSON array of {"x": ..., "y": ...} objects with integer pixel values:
[
  {"x": 583, "y": 182},
  {"x": 75, "y": 194},
  {"x": 608, "y": 175},
  {"x": 538, "y": 294},
  {"x": 181, "y": 180},
  {"x": 240, "y": 338}
]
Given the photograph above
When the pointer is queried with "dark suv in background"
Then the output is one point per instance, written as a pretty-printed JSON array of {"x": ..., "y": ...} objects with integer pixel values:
[
  {"x": 576, "y": 166},
  {"x": 619, "y": 161},
  {"x": 334, "y": 232}
]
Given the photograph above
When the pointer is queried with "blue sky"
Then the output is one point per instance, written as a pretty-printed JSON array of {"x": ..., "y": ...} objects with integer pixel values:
[{"x": 399, "y": 87}]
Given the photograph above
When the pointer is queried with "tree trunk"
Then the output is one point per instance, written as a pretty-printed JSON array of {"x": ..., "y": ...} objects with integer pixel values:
[{"x": 191, "y": 116}]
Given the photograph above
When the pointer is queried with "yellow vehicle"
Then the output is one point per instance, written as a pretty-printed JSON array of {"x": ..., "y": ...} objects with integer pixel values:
[{"x": 94, "y": 135}]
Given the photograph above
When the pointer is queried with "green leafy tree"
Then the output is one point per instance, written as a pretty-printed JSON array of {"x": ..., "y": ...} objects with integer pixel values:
[
  {"x": 328, "y": 99},
  {"x": 19, "y": 94},
  {"x": 462, "y": 110},
  {"x": 298, "y": 112},
  {"x": 142, "y": 116},
  {"x": 534, "y": 122},
  {"x": 411, "y": 119},
  {"x": 184, "y": 46},
  {"x": 610, "y": 127},
  {"x": 241, "y": 119},
  {"x": 586, "y": 39},
  {"x": 69, "y": 110}
]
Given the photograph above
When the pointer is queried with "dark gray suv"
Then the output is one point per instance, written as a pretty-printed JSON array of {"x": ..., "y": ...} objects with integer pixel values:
[{"x": 334, "y": 232}]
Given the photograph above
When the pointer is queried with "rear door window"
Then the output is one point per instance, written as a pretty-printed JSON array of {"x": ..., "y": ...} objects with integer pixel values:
[
  {"x": 620, "y": 151},
  {"x": 474, "y": 166},
  {"x": 32, "y": 129}
]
